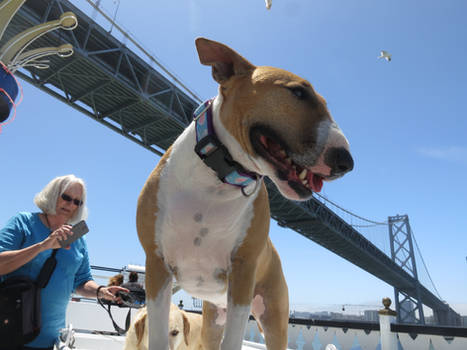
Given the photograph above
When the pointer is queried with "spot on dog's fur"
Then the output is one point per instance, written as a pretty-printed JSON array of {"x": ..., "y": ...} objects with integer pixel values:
[
  {"x": 221, "y": 192},
  {"x": 198, "y": 217},
  {"x": 197, "y": 241},
  {"x": 220, "y": 275},
  {"x": 203, "y": 232}
]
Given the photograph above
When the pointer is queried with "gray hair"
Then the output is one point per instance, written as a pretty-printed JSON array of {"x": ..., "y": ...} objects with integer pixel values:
[{"x": 46, "y": 199}]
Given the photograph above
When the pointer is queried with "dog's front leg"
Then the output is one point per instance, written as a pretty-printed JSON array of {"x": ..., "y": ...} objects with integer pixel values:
[
  {"x": 158, "y": 296},
  {"x": 240, "y": 294}
]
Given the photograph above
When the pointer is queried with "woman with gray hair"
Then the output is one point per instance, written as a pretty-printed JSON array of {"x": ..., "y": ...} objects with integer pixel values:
[{"x": 27, "y": 241}]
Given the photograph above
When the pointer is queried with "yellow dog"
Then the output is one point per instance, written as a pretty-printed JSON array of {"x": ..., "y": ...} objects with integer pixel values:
[{"x": 184, "y": 331}]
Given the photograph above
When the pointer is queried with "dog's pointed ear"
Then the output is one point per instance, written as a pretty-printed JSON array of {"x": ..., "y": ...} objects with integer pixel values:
[
  {"x": 139, "y": 325},
  {"x": 186, "y": 327},
  {"x": 224, "y": 61}
]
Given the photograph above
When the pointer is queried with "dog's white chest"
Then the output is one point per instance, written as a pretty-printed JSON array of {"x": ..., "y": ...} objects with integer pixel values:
[{"x": 200, "y": 223}]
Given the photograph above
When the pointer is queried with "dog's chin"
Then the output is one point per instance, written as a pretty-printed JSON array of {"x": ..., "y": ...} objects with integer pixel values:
[{"x": 294, "y": 181}]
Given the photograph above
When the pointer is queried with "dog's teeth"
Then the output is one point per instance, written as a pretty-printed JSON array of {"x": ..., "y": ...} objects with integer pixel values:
[
  {"x": 305, "y": 182},
  {"x": 302, "y": 175}
]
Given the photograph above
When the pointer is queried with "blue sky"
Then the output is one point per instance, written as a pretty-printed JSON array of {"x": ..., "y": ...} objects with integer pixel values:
[{"x": 405, "y": 121}]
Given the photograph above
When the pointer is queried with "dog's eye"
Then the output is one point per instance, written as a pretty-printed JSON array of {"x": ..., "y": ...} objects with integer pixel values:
[
  {"x": 174, "y": 333},
  {"x": 299, "y": 92}
]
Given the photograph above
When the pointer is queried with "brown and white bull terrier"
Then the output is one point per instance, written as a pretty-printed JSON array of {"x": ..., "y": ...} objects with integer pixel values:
[{"x": 203, "y": 214}]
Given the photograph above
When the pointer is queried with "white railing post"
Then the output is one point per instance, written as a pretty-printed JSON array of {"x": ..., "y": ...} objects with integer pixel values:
[{"x": 386, "y": 317}]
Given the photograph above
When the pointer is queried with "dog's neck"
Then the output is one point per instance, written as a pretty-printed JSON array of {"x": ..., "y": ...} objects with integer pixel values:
[{"x": 216, "y": 155}]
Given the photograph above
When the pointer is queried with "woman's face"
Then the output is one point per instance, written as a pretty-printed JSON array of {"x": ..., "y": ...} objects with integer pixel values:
[{"x": 67, "y": 203}]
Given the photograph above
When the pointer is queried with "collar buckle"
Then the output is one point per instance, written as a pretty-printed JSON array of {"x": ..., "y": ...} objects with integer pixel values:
[{"x": 216, "y": 156}]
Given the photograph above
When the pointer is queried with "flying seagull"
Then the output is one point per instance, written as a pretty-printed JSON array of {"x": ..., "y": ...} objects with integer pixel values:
[
  {"x": 268, "y": 4},
  {"x": 386, "y": 55}
]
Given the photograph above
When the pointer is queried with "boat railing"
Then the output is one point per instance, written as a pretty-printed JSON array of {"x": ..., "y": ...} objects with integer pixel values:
[
  {"x": 322, "y": 334},
  {"x": 360, "y": 335}
]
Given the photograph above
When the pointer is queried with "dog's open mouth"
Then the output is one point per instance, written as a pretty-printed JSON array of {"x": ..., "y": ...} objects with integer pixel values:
[{"x": 273, "y": 149}]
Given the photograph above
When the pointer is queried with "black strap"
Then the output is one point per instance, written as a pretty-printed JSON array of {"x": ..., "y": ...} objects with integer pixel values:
[
  {"x": 47, "y": 270},
  {"x": 117, "y": 328}
]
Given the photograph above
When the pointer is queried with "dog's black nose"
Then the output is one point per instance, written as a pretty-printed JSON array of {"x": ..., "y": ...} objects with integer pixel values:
[{"x": 339, "y": 160}]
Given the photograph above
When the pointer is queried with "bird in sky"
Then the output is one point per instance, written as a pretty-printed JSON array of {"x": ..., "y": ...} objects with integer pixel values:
[
  {"x": 268, "y": 4},
  {"x": 386, "y": 55}
]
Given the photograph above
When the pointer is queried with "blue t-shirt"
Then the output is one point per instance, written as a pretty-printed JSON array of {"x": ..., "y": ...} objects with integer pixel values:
[{"x": 72, "y": 270}]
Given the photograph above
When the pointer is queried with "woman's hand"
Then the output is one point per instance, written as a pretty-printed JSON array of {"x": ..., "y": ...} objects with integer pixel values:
[
  {"x": 61, "y": 233},
  {"x": 110, "y": 293}
]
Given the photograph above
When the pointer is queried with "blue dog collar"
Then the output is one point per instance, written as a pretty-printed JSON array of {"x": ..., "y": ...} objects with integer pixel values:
[{"x": 215, "y": 155}]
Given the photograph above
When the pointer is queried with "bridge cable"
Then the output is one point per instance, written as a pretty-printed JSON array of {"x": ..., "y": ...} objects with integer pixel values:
[
  {"x": 374, "y": 223},
  {"x": 426, "y": 269}
]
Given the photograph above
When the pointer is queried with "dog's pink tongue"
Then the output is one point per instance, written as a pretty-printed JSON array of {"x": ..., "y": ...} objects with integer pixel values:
[{"x": 315, "y": 182}]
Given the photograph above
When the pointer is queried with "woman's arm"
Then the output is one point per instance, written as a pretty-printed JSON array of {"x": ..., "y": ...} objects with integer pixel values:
[{"x": 11, "y": 260}]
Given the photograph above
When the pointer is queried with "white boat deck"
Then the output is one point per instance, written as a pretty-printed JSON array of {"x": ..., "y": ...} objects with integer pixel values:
[{"x": 84, "y": 341}]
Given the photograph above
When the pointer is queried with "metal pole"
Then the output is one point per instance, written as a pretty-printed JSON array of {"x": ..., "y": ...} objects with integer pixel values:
[{"x": 386, "y": 317}]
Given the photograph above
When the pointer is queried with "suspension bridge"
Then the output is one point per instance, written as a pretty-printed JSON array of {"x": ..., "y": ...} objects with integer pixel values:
[{"x": 112, "y": 79}]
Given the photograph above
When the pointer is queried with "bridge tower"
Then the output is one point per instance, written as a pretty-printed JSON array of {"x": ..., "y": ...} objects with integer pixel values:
[{"x": 409, "y": 309}]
